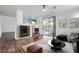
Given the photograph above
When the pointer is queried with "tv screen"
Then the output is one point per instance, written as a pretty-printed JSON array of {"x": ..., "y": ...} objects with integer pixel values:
[{"x": 24, "y": 31}]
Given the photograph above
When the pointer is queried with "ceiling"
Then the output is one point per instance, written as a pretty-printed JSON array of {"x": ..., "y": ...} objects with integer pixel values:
[{"x": 34, "y": 10}]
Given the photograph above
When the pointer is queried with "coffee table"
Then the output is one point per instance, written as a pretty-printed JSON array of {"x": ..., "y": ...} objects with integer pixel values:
[{"x": 56, "y": 47}]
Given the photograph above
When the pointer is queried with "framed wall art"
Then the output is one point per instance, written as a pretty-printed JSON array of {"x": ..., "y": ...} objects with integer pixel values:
[
  {"x": 63, "y": 23},
  {"x": 74, "y": 23}
]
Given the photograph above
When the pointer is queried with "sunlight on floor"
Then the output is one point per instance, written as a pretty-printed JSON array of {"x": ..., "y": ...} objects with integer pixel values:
[{"x": 47, "y": 49}]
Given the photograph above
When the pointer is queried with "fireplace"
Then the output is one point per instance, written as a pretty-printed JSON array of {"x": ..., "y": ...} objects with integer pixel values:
[
  {"x": 24, "y": 31},
  {"x": 36, "y": 30}
]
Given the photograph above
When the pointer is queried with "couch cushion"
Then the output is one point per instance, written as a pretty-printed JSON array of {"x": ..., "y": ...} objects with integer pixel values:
[{"x": 62, "y": 38}]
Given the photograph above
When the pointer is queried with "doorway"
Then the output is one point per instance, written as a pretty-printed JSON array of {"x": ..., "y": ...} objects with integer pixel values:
[{"x": 49, "y": 26}]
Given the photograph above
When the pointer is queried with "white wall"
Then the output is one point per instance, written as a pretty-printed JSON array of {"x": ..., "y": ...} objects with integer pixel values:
[
  {"x": 66, "y": 15},
  {"x": 8, "y": 23},
  {"x": 0, "y": 27}
]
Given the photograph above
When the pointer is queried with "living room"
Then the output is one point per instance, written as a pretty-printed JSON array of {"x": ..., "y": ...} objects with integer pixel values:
[{"x": 30, "y": 28}]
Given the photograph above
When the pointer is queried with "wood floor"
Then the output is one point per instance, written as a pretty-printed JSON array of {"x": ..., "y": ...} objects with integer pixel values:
[
  {"x": 5, "y": 46},
  {"x": 10, "y": 45}
]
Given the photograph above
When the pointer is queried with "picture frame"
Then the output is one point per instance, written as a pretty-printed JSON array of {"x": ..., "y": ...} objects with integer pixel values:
[
  {"x": 63, "y": 23},
  {"x": 74, "y": 23}
]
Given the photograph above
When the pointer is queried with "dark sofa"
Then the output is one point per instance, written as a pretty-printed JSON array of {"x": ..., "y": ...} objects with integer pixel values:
[{"x": 62, "y": 38}]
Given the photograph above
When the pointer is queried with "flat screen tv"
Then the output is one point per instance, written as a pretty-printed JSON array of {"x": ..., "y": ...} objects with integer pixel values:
[{"x": 24, "y": 31}]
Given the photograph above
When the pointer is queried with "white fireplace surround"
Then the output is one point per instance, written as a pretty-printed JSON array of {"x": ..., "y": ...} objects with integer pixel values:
[
  {"x": 19, "y": 22},
  {"x": 18, "y": 29}
]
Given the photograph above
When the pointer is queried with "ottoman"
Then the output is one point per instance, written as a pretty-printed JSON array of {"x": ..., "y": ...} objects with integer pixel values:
[{"x": 34, "y": 49}]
